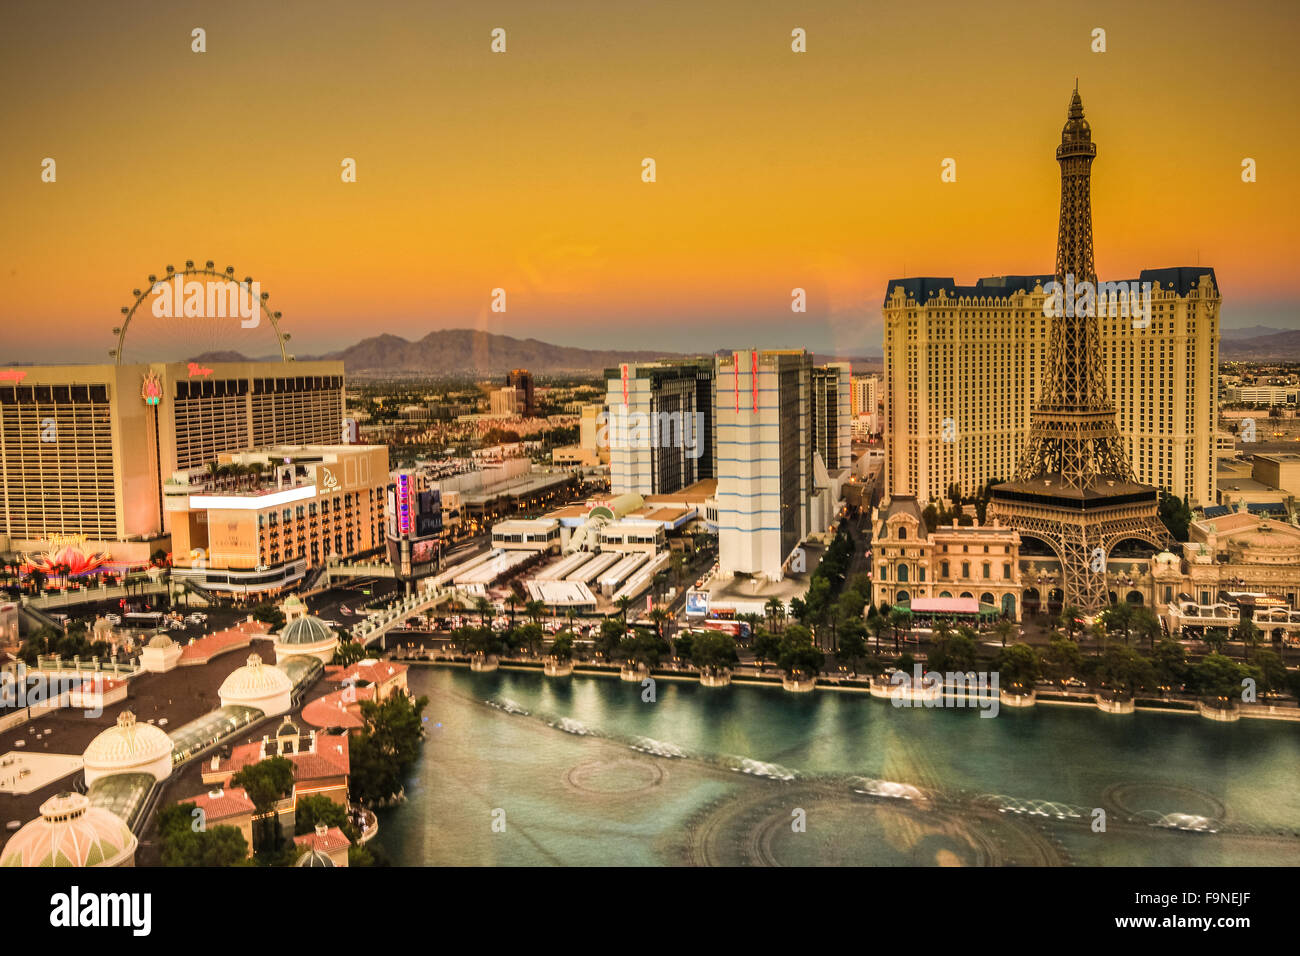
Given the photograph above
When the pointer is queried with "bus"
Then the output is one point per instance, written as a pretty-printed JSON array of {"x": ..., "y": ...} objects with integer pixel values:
[
  {"x": 737, "y": 629},
  {"x": 143, "y": 619}
]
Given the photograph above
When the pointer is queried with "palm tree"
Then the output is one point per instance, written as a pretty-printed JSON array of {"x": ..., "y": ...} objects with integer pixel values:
[
  {"x": 1069, "y": 619},
  {"x": 775, "y": 611},
  {"x": 511, "y": 601},
  {"x": 896, "y": 618},
  {"x": 1004, "y": 628},
  {"x": 623, "y": 603},
  {"x": 482, "y": 605},
  {"x": 876, "y": 624},
  {"x": 1248, "y": 633},
  {"x": 658, "y": 616},
  {"x": 535, "y": 610}
]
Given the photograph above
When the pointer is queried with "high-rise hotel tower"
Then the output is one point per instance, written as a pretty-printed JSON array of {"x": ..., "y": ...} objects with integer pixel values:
[{"x": 85, "y": 449}]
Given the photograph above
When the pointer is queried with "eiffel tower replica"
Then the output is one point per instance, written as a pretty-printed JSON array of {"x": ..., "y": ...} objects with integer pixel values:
[{"x": 1074, "y": 487}]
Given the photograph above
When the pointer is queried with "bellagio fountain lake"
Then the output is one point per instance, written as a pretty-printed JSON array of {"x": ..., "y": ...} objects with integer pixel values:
[{"x": 521, "y": 769}]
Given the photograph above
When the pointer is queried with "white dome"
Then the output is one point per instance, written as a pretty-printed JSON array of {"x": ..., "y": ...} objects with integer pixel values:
[
  {"x": 257, "y": 685},
  {"x": 129, "y": 747},
  {"x": 70, "y": 832}
]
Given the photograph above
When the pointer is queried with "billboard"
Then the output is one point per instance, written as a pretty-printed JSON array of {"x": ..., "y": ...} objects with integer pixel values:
[{"x": 697, "y": 603}]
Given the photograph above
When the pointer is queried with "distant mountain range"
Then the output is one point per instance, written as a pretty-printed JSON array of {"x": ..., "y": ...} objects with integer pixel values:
[
  {"x": 1250, "y": 332},
  {"x": 467, "y": 353},
  {"x": 1276, "y": 344}
]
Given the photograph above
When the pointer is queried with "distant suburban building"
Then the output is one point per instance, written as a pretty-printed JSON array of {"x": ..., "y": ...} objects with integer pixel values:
[
  {"x": 522, "y": 381},
  {"x": 1262, "y": 394}
]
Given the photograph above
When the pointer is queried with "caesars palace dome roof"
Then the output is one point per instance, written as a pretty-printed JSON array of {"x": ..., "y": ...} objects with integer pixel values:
[
  {"x": 305, "y": 630},
  {"x": 70, "y": 832},
  {"x": 127, "y": 744},
  {"x": 254, "y": 681}
]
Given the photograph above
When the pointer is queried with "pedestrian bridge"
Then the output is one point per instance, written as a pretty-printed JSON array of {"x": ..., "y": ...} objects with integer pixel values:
[{"x": 380, "y": 622}]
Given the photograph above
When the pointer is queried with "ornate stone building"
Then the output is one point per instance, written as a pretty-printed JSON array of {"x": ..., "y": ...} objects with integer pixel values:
[
  {"x": 912, "y": 561},
  {"x": 1233, "y": 564}
]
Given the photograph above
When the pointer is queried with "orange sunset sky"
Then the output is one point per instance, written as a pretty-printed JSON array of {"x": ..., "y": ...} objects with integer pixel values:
[{"x": 523, "y": 170}]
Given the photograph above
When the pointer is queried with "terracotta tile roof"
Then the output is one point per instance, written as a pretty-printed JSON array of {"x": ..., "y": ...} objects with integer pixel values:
[
  {"x": 331, "y": 758},
  {"x": 206, "y": 648},
  {"x": 333, "y": 711},
  {"x": 376, "y": 672},
  {"x": 333, "y": 839},
  {"x": 232, "y": 802}
]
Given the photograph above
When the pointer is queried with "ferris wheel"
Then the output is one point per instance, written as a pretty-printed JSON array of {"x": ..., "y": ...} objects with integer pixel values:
[{"x": 199, "y": 313}]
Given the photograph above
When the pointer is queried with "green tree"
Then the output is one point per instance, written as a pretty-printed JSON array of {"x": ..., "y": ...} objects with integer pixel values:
[
  {"x": 387, "y": 748},
  {"x": 1019, "y": 667},
  {"x": 1124, "y": 670},
  {"x": 1145, "y": 625},
  {"x": 269, "y": 614},
  {"x": 1249, "y": 634},
  {"x": 181, "y": 845},
  {"x": 1218, "y": 677},
  {"x": 610, "y": 636},
  {"x": 956, "y": 652},
  {"x": 561, "y": 648},
  {"x": 767, "y": 648},
  {"x": 480, "y": 640},
  {"x": 1063, "y": 661},
  {"x": 623, "y": 604},
  {"x": 853, "y": 645},
  {"x": 1117, "y": 619},
  {"x": 483, "y": 607},
  {"x": 528, "y": 637},
  {"x": 775, "y": 610},
  {"x": 348, "y": 653},
  {"x": 1272, "y": 673},
  {"x": 1170, "y": 663},
  {"x": 1071, "y": 620},
  {"x": 317, "y": 809},
  {"x": 799, "y": 659},
  {"x": 897, "y": 619},
  {"x": 683, "y": 644},
  {"x": 1005, "y": 628},
  {"x": 713, "y": 651},
  {"x": 266, "y": 783},
  {"x": 1176, "y": 515}
]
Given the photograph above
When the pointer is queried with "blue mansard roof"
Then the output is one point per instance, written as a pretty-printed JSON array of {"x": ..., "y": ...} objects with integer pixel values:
[{"x": 924, "y": 288}]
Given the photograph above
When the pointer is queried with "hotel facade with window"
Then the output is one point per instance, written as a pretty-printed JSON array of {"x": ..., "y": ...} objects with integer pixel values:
[
  {"x": 963, "y": 366},
  {"x": 84, "y": 449},
  {"x": 283, "y": 512}
]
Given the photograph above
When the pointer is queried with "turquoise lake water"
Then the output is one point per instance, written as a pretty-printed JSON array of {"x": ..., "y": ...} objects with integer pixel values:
[{"x": 1025, "y": 787}]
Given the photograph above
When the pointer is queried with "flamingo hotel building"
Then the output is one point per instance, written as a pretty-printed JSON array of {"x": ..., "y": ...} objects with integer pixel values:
[
  {"x": 267, "y": 517},
  {"x": 85, "y": 449}
]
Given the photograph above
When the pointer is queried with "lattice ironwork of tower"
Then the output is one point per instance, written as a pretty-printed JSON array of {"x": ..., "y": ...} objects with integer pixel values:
[{"x": 1074, "y": 487}]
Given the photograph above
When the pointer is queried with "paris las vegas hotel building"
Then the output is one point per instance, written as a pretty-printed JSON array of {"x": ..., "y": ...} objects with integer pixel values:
[
  {"x": 115, "y": 459},
  {"x": 963, "y": 365}
]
